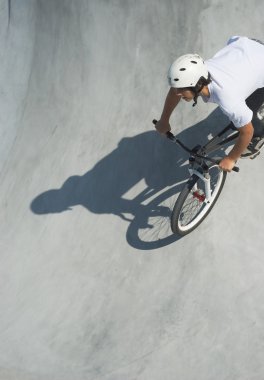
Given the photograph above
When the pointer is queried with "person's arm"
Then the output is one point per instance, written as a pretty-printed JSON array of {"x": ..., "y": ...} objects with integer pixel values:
[
  {"x": 172, "y": 99},
  {"x": 244, "y": 138}
]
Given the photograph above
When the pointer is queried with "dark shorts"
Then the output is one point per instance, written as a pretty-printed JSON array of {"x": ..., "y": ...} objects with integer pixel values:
[{"x": 254, "y": 102}]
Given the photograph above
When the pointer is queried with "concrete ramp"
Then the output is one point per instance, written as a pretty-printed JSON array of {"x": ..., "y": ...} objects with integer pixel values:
[{"x": 93, "y": 284}]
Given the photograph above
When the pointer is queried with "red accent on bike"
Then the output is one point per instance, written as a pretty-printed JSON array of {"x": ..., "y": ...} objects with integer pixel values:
[{"x": 200, "y": 197}]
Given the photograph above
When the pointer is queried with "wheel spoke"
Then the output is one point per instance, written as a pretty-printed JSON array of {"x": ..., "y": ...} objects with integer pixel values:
[{"x": 191, "y": 208}]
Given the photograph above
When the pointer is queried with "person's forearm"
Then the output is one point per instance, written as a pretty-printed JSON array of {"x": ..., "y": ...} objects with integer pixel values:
[
  {"x": 243, "y": 140},
  {"x": 171, "y": 102}
]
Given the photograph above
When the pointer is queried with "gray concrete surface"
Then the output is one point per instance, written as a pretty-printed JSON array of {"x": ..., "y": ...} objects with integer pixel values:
[{"x": 93, "y": 286}]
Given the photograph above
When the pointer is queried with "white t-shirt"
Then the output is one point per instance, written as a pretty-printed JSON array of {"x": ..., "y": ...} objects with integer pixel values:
[{"x": 236, "y": 71}]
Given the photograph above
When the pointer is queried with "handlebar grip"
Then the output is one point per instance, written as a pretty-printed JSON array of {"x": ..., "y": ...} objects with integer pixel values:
[
  {"x": 235, "y": 168},
  {"x": 170, "y": 136}
]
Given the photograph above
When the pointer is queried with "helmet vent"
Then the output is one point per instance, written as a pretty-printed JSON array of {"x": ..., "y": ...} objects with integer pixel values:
[
  {"x": 194, "y": 62},
  {"x": 182, "y": 69},
  {"x": 176, "y": 79}
]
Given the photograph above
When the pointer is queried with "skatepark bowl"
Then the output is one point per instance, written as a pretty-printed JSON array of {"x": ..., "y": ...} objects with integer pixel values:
[{"x": 93, "y": 284}]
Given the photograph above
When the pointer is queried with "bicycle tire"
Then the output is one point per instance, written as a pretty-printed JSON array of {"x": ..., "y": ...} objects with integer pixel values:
[{"x": 196, "y": 210}]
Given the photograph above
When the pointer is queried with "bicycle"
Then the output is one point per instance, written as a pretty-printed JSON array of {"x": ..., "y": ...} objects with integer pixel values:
[{"x": 204, "y": 185}]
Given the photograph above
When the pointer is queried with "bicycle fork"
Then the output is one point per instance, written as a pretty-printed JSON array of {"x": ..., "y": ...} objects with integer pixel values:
[{"x": 206, "y": 178}]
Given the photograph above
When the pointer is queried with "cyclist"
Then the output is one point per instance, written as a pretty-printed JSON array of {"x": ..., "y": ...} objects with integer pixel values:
[{"x": 233, "y": 79}]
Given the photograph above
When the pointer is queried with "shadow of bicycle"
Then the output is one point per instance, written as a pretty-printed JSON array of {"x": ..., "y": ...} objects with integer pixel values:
[{"x": 139, "y": 182}]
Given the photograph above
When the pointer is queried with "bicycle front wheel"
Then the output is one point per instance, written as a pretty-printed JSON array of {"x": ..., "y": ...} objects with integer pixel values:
[{"x": 191, "y": 207}]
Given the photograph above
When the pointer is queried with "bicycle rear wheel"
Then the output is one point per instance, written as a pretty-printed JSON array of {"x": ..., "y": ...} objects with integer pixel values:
[{"x": 191, "y": 207}]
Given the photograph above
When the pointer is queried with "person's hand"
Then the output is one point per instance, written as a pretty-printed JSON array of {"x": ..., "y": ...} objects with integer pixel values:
[
  {"x": 162, "y": 127},
  {"x": 227, "y": 164}
]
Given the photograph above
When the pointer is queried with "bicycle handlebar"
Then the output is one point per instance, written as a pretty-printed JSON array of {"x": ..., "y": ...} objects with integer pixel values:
[{"x": 173, "y": 138}]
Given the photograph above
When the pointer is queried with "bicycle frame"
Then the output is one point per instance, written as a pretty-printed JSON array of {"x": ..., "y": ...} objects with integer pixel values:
[
  {"x": 217, "y": 142},
  {"x": 199, "y": 155}
]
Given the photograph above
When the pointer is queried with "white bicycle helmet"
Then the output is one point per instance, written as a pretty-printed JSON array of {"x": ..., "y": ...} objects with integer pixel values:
[{"x": 186, "y": 71}]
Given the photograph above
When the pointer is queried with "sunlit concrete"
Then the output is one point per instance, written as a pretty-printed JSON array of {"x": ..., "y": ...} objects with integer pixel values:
[{"x": 93, "y": 285}]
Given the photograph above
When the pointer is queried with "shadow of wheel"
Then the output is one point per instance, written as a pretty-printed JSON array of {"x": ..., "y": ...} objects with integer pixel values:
[{"x": 150, "y": 228}]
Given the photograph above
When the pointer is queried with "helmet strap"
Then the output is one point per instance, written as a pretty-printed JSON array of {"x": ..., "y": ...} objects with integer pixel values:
[
  {"x": 196, "y": 94},
  {"x": 198, "y": 88}
]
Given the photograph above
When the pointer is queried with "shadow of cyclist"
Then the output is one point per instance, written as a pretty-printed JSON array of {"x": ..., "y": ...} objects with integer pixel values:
[{"x": 148, "y": 157}]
